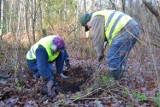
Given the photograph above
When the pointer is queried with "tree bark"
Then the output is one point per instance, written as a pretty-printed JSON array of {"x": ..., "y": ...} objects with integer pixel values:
[
  {"x": 92, "y": 6},
  {"x": 1, "y": 25},
  {"x": 1, "y": 15},
  {"x": 33, "y": 19},
  {"x": 153, "y": 10},
  {"x": 113, "y": 5},
  {"x": 25, "y": 16},
  {"x": 40, "y": 19},
  {"x": 85, "y": 8},
  {"x": 100, "y": 4},
  {"x": 123, "y": 5}
]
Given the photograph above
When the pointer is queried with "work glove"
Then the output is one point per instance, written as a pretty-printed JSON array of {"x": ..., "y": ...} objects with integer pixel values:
[
  {"x": 50, "y": 87},
  {"x": 67, "y": 64},
  {"x": 100, "y": 58},
  {"x": 63, "y": 76},
  {"x": 105, "y": 44}
]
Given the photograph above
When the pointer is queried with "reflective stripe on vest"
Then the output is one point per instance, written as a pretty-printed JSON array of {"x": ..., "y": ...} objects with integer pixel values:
[
  {"x": 114, "y": 22},
  {"x": 46, "y": 43},
  {"x": 30, "y": 55}
]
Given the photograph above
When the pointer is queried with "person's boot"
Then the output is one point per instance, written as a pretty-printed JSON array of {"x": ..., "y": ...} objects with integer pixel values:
[{"x": 116, "y": 74}]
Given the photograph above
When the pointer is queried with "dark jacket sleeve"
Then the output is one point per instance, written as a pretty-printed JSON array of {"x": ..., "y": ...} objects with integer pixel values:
[
  {"x": 63, "y": 56},
  {"x": 42, "y": 63},
  {"x": 66, "y": 55}
]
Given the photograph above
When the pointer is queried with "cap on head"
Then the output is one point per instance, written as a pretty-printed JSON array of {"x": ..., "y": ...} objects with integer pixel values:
[
  {"x": 85, "y": 18},
  {"x": 59, "y": 42}
]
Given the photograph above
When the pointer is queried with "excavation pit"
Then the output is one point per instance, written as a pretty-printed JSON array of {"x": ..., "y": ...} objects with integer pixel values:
[{"x": 77, "y": 77}]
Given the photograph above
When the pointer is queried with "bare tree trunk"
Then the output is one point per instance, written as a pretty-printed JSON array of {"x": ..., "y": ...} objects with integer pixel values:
[
  {"x": 78, "y": 17},
  {"x": 40, "y": 20},
  {"x": 33, "y": 19},
  {"x": 92, "y": 6},
  {"x": 84, "y": 4},
  {"x": 16, "y": 64},
  {"x": 123, "y": 5},
  {"x": 0, "y": 7},
  {"x": 65, "y": 10},
  {"x": 15, "y": 14},
  {"x": 10, "y": 19},
  {"x": 153, "y": 10},
  {"x": 100, "y": 4},
  {"x": 113, "y": 5},
  {"x": 26, "y": 6},
  {"x": 1, "y": 27},
  {"x": 6, "y": 15},
  {"x": 1, "y": 15},
  {"x": 130, "y": 10},
  {"x": 25, "y": 16}
]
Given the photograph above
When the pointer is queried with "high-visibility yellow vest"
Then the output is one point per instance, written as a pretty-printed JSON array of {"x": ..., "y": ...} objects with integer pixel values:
[
  {"x": 46, "y": 43},
  {"x": 114, "y": 22}
]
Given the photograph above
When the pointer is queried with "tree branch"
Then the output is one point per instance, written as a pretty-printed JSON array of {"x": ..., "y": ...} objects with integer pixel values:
[{"x": 153, "y": 10}]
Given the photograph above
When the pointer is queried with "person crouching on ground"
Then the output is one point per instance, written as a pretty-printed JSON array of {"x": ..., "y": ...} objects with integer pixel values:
[{"x": 41, "y": 56}]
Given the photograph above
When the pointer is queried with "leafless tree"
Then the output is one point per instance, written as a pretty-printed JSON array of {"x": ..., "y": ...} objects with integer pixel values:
[
  {"x": 155, "y": 10},
  {"x": 1, "y": 16},
  {"x": 123, "y": 5},
  {"x": 84, "y": 4}
]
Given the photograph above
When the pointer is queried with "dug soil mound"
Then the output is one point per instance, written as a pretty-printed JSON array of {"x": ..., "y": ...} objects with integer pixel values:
[{"x": 77, "y": 76}]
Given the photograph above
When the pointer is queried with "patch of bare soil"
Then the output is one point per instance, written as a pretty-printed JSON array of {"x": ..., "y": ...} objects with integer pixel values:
[{"x": 77, "y": 76}]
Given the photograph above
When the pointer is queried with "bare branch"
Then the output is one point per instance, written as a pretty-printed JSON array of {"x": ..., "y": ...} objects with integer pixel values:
[{"x": 153, "y": 10}]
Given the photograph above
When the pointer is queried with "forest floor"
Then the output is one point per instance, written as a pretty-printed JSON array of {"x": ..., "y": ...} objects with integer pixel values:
[{"x": 88, "y": 86}]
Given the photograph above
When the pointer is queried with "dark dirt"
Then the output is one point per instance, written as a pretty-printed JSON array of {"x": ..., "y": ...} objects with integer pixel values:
[{"x": 77, "y": 76}]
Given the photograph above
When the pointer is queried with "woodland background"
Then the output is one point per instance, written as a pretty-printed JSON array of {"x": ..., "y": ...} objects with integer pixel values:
[{"x": 23, "y": 22}]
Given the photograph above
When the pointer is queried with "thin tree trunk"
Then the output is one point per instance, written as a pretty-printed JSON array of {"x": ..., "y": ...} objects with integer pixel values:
[
  {"x": 92, "y": 6},
  {"x": 113, "y": 5},
  {"x": 131, "y": 11},
  {"x": 78, "y": 32},
  {"x": 123, "y": 5},
  {"x": 85, "y": 8},
  {"x": 10, "y": 20},
  {"x": 16, "y": 64},
  {"x": 26, "y": 5},
  {"x": 100, "y": 4},
  {"x": 40, "y": 20},
  {"x": 33, "y": 19},
  {"x": 25, "y": 16},
  {"x": 65, "y": 10},
  {"x": 0, "y": 8},
  {"x": 1, "y": 22},
  {"x": 1, "y": 16}
]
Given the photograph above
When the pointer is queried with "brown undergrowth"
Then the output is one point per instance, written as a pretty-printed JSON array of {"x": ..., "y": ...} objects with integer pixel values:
[{"x": 88, "y": 85}]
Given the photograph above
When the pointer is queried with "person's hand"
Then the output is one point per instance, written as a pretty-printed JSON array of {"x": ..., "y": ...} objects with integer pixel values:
[
  {"x": 100, "y": 58},
  {"x": 67, "y": 64},
  {"x": 105, "y": 44},
  {"x": 63, "y": 76},
  {"x": 49, "y": 87},
  {"x": 51, "y": 84}
]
